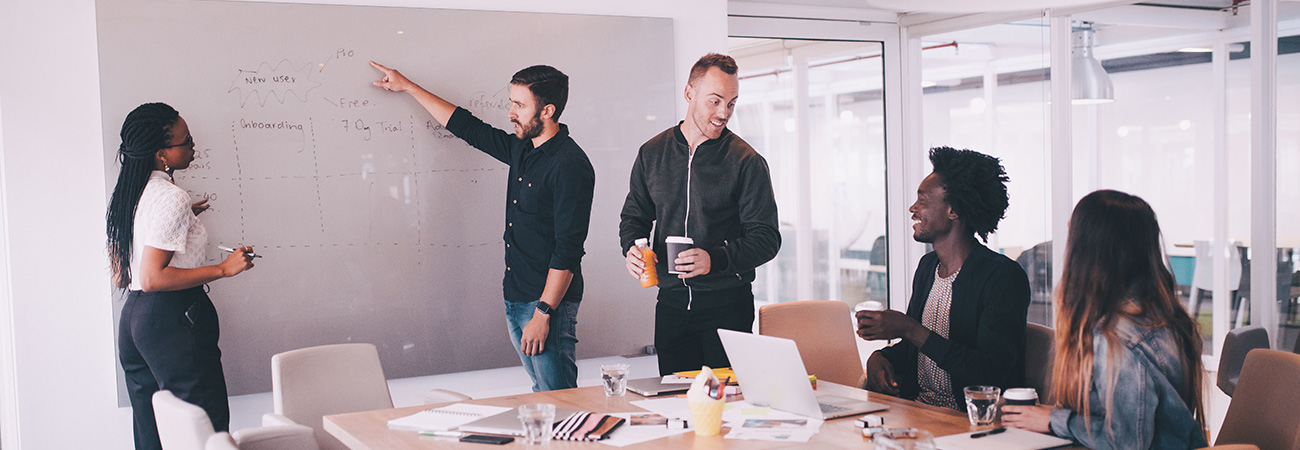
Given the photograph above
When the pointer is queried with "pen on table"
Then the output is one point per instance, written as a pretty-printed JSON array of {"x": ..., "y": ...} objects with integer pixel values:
[
  {"x": 988, "y": 433},
  {"x": 446, "y": 434},
  {"x": 231, "y": 250}
]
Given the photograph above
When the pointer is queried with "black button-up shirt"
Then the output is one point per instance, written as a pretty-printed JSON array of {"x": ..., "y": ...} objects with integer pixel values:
[{"x": 548, "y": 204}]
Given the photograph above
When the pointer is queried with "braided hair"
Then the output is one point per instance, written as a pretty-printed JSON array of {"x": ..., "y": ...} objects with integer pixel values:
[{"x": 145, "y": 131}]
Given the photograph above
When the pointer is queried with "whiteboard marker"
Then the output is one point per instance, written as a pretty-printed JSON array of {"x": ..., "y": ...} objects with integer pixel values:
[{"x": 231, "y": 250}]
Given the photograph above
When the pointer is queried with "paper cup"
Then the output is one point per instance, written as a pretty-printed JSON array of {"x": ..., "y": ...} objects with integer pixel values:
[
  {"x": 676, "y": 245},
  {"x": 706, "y": 417}
]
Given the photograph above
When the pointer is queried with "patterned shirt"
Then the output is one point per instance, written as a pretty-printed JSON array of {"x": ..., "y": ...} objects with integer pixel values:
[
  {"x": 936, "y": 384},
  {"x": 164, "y": 220}
]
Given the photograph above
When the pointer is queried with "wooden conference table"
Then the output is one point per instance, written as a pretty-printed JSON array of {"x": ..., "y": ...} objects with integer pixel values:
[{"x": 369, "y": 430}]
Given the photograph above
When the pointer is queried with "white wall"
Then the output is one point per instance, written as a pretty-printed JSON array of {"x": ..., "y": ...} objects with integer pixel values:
[{"x": 55, "y": 309}]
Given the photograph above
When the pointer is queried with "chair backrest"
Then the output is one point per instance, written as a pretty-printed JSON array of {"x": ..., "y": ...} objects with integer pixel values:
[
  {"x": 1239, "y": 342},
  {"x": 221, "y": 441},
  {"x": 181, "y": 425},
  {"x": 1263, "y": 411},
  {"x": 310, "y": 383},
  {"x": 829, "y": 351},
  {"x": 1040, "y": 359}
]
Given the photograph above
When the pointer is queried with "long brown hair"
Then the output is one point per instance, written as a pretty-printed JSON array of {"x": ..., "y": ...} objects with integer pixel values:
[{"x": 1114, "y": 268}]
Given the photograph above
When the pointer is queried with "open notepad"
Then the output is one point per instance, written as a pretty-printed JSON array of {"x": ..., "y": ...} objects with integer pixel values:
[
  {"x": 444, "y": 418},
  {"x": 1012, "y": 439}
]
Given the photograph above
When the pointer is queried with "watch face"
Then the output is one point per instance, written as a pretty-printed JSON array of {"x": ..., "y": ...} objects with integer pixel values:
[{"x": 543, "y": 307}]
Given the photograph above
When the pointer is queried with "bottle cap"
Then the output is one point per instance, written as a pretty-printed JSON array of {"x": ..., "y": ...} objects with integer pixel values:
[{"x": 642, "y": 242}]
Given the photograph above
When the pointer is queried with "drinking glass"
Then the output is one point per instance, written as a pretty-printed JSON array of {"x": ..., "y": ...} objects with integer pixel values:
[
  {"x": 537, "y": 418},
  {"x": 614, "y": 378},
  {"x": 982, "y": 404}
]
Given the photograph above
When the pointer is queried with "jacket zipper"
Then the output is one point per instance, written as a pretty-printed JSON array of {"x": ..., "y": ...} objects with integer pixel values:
[{"x": 690, "y": 156}]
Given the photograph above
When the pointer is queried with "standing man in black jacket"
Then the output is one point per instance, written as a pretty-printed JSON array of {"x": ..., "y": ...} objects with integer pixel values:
[
  {"x": 965, "y": 324},
  {"x": 699, "y": 180},
  {"x": 548, "y": 209}
]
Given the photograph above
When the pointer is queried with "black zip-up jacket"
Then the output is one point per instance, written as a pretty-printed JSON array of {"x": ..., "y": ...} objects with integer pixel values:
[{"x": 730, "y": 212}]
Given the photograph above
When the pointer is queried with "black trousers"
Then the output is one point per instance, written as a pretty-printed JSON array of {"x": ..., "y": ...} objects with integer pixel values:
[
  {"x": 168, "y": 340},
  {"x": 688, "y": 339}
]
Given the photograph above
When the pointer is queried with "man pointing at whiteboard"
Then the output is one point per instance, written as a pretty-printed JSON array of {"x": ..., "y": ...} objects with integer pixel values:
[{"x": 548, "y": 207}]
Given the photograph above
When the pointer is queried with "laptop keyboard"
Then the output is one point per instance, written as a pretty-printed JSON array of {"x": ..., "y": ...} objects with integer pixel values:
[{"x": 831, "y": 409}]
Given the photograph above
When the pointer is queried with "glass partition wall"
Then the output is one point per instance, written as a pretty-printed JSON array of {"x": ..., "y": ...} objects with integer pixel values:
[
  {"x": 986, "y": 89},
  {"x": 1162, "y": 138},
  {"x": 830, "y": 179}
]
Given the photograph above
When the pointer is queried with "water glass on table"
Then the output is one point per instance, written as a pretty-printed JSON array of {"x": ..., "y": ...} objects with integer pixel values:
[
  {"x": 538, "y": 419},
  {"x": 614, "y": 378},
  {"x": 982, "y": 404}
]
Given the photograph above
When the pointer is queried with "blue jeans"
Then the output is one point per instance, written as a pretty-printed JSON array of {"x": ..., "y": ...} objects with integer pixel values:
[{"x": 555, "y": 367}]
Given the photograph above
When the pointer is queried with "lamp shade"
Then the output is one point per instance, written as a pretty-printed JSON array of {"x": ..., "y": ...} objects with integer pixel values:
[{"x": 1089, "y": 82}]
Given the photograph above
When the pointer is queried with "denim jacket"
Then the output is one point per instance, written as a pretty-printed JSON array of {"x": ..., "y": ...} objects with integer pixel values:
[{"x": 1147, "y": 412}]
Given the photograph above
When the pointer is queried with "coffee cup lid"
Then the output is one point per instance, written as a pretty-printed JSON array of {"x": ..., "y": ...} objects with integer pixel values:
[{"x": 1020, "y": 394}]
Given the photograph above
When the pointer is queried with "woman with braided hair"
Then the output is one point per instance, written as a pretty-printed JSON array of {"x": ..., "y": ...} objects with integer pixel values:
[{"x": 167, "y": 337}]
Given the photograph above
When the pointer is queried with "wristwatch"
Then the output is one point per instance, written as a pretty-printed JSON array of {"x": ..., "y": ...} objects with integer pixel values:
[{"x": 544, "y": 308}]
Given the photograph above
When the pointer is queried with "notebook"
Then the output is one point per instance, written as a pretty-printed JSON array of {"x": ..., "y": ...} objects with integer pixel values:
[
  {"x": 651, "y": 387},
  {"x": 444, "y": 418},
  {"x": 771, "y": 373},
  {"x": 1012, "y": 439},
  {"x": 507, "y": 423}
]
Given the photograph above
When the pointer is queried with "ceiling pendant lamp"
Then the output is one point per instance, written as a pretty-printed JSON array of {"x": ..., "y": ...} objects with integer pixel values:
[{"x": 1090, "y": 83}]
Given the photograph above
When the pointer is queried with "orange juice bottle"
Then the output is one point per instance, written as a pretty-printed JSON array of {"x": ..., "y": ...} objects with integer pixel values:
[{"x": 648, "y": 276}]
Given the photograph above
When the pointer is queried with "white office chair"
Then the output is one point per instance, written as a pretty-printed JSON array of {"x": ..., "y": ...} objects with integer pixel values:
[
  {"x": 184, "y": 426},
  {"x": 181, "y": 426},
  {"x": 221, "y": 441},
  {"x": 311, "y": 383},
  {"x": 444, "y": 396}
]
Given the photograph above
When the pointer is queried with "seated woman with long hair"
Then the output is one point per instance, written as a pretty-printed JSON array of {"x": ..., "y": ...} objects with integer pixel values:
[{"x": 1128, "y": 369}]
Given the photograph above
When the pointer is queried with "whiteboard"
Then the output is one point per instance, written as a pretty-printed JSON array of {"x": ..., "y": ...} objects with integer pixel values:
[{"x": 377, "y": 225}]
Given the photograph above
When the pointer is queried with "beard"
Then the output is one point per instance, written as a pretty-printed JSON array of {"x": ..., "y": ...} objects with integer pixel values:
[{"x": 531, "y": 129}]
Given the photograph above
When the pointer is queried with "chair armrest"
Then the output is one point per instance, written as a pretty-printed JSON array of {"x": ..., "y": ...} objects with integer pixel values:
[
  {"x": 282, "y": 437},
  {"x": 276, "y": 420},
  {"x": 433, "y": 396}
]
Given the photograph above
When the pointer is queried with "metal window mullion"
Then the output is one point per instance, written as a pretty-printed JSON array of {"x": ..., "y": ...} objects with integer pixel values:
[
  {"x": 1263, "y": 153},
  {"x": 1061, "y": 181}
]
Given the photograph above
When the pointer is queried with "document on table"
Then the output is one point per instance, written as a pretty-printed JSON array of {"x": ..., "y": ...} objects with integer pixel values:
[
  {"x": 674, "y": 379},
  {"x": 1012, "y": 439},
  {"x": 746, "y": 420},
  {"x": 640, "y": 427},
  {"x": 751, "y": 422},
  {"x": 781, "y": 430},
  {"x": 444, "y": 418}
]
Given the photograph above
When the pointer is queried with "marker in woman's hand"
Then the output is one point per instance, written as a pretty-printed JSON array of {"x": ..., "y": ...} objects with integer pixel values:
[{"x": 231, "y": 250}]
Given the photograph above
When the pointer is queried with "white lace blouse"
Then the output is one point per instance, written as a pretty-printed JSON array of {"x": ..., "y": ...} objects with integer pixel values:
[{"x": 164, "y": 220}]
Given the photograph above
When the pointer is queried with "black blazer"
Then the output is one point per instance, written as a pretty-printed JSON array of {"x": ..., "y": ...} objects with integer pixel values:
[{"x": 986, "y": 329}]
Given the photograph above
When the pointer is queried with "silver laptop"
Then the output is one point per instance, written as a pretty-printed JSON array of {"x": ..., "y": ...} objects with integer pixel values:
[
  {"x": 651, "y": 387},
  {"x": 772, "y": 374},
  {"x": 506, "y": 423}
]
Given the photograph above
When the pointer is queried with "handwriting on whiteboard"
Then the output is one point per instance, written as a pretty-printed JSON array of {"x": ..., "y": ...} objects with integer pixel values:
[{"x": 273, "y": 82}]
